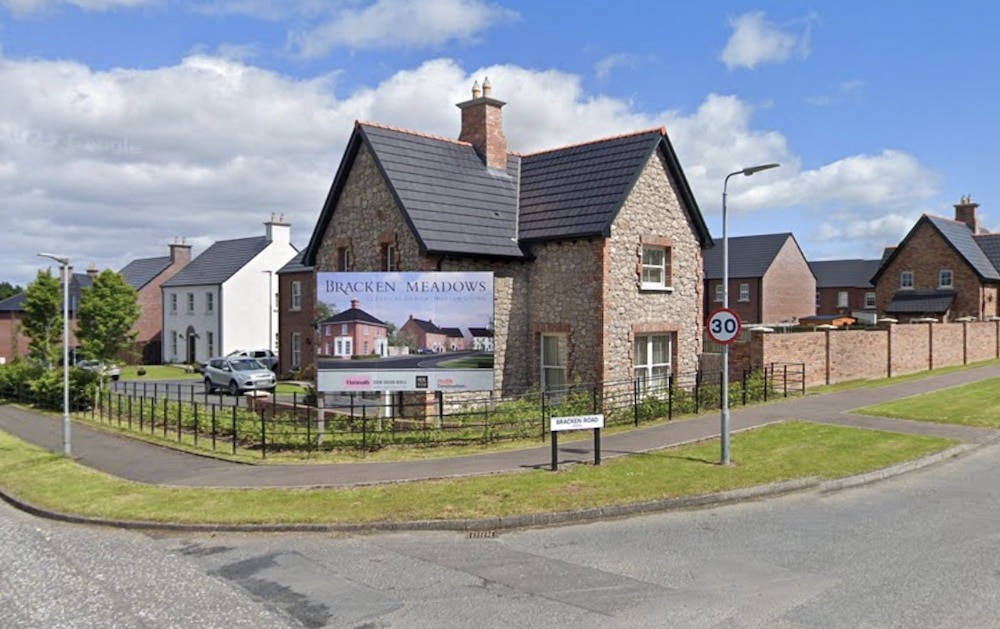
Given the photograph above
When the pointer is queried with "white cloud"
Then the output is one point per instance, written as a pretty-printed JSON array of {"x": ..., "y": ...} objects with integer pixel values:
[
  {"x": 28, "y": 7},
  {"x": 609, "y": 64},
  {"x": 108, "y": 166},
  {"x": 755, "y": 40},
  {"x": 401, "y": 24}
]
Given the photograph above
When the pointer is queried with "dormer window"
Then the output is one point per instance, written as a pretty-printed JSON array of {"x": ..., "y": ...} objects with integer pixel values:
[
  {"x": 945, "y": 278},
  {"x": 906, "y": 280}
]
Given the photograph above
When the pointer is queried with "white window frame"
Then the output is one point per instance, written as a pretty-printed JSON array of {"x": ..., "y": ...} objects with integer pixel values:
[
  {"x": 391, "y": 263},
  {"x": 843, "y": 299},
  {"x": 190, "y": 302},
  {"x": 656, "y": 274},
  {"x": 296, "y": 350},
  {"x": 870, "y": 299},
  {"x": 343, "y": 329},
  {"x": 552, "y": 365},
  {"x": 209, "y": 302},
  {"x": 652, "y": 375},
  {"x": 719, "y": 293},
  {"x": 745, "y": 291},
  {"x": 173, "y": 343},
  {"x": 296, "y": 304},
  {"x": 946, "y": 273},
  {"x": 817, "y": 299},
  {"x": 343, "y": 259},
  {"x": 210, "y": 340},
  {"x": 906, "y": 280},
  {"x": 173, "y": 303}
]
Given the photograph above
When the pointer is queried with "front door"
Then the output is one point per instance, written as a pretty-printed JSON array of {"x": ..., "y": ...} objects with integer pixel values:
[{"x": 192, "y": 339}]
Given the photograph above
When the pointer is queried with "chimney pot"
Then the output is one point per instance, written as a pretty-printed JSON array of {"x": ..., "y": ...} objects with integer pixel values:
[
  {"x": 482, "y": 127},
  {"x": 487, "y": 88},
  {"x": 475, "y": 90},
  {"x": 965, "y": 212}
]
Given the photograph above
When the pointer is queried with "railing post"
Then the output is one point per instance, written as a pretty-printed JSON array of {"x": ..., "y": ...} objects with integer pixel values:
[
  {"x": 234, "y": 428},
  {"x": 635, "y": 401},
  {"x": 784, "y": 379},
  {"x": 697, "y": 392},
  {"x": 670, "y": 396},
  {"x": 743, "y": 383},
  {"x": 263, "y": 435}
]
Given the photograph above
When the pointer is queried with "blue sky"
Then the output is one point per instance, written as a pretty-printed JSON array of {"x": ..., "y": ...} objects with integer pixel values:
[{"x": 127, "y": 123}]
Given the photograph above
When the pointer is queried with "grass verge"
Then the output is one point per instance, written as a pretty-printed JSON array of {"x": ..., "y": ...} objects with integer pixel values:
[
  {"x": 769, "y": 454},
  {"x": 158, "y": 372},
  {"x": 976, "y": 404},
  {"x": 884, "y": 382}
]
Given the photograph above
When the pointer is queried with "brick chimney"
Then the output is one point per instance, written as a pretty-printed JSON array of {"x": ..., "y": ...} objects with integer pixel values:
[
  {"x": 482, "y": 126},
  {"x": 355, "y": 304},
  {"x": 965, "y": 212},
  {"x": 180, "y": 251}
]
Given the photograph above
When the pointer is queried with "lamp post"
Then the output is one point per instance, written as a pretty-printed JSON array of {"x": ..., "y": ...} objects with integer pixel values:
[
  {"x": 725, "y": 302},
  {"x": 270, "y": 311},
  {"x": 64, "y": 265}
]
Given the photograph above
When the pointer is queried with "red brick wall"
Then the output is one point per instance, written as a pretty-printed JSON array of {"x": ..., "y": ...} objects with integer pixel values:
[
  {"x": 789, "y": 288},
  {"x": 301, "y": 321},
  {"x": 841, "y": 355},
  {"x": 829, "y": 298},
  {"x": 12, "y": 344}
]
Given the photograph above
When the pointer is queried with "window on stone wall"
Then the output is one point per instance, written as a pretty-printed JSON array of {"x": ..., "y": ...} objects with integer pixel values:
[
  {"x": 343, "y": 259},
  {"x": 296, "y": 296},
  {"x": 653, "y": 361},
  {"x": 389, "y": 257},
  {"x": 945, "y": 278},
  {"x": 553, "y": 362},
  {"x": 869, "y": 299},
  {"x": 842, "y": 299},
  {"x": 906, "y": 279},
  {"x": 744, "y": 291},
  {"x": 655, "y": 267}
]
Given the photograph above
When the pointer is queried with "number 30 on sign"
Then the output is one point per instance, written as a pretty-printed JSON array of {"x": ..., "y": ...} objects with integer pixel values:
[{"x": 724, "y": 326}]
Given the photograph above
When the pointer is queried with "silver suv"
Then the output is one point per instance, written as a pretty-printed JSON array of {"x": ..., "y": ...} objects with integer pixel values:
[
  {"x": 264, "y": 356},
  {"x": 237, "y": 374}
]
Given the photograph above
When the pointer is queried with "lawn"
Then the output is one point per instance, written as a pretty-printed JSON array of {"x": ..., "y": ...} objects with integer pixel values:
[
  {"x": 769, "y": 454},
  {"x": 976, "y": 404},
  {"x": 158, "y": 372}
]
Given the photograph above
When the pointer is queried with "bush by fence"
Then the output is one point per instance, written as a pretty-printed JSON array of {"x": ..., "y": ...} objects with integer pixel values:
[{"x": 183, "y": 412}]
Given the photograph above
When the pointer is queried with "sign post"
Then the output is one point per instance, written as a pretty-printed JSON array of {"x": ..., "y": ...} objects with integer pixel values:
[
  {"x": 724, "y": 327},
  {"x": 576, "y": 422}
]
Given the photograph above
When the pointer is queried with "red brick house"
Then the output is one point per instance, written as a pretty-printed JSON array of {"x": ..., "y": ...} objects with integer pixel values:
[
  {"x": 426, "y": 334},
  {"x": 844, "y": 287},
  {"x": 146, "y": 276},
  {"x": 769, "y": 279},
  {"x": 297, "y": 319},
  {"x": 354, "y": 332},
  {"x": 942, "y": 269}
]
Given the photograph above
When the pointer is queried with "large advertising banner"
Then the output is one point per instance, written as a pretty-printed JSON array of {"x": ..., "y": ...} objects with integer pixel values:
[{"x": 405, "y": 331}]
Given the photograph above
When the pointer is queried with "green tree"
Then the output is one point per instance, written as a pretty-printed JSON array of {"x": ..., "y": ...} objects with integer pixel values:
[
  {"x": 108, "y": 309},
  {"x": 43, "y": 318},
  {"x": 9, "y": 290}
]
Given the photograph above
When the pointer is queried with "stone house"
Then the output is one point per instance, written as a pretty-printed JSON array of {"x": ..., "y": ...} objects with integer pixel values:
[
  {"x": 297, "y": 318},
  {"x": 942, "y": 269},
  {"x": 596, "y": 248},
  {"x": 353, "y": 332},
  {"x": 844, "y": 287},
  {"x": 769, "y": 279},
  {"x": 223, "y": 300}
]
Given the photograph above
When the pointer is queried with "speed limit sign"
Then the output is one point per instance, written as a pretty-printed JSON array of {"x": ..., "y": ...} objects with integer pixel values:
[{"x": 724, "y": 326}]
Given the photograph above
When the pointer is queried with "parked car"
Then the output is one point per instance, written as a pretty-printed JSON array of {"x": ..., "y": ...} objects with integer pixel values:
[
  {"x": 265, "y": 357},
  {"x": 425, "y": 350},
  {"x": 107, "y": 370},
  {"x": 237, "y": 374}
]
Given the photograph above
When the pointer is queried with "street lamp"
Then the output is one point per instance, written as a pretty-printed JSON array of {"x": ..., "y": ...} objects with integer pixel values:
[
  {"x": 270, "y": 311},
  {"x": 64, "y": 266},
  {"x": 725, "y": 302}
]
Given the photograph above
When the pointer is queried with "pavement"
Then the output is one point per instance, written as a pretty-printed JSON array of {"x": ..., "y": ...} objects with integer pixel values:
[{"x": 143, "y": 462}]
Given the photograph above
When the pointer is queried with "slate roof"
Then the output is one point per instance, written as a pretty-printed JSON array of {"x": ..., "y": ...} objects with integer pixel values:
[
  {"x": 961, "y": 239},
  {"x": 138, "y": 273},
  {"x": 14, "y": 303},
  {"x": 749, "y": 256},
  {"x": 219, "y": 262},
  {"x": 77, "y": 282},
  {"x": 426, "y": 326},
  {"x": 455, "y": 205},
  {"x": 990, "y": 244},
  {"x": 844, "y": 273},
  {"x": 295, "y": 265},
  {"x": 452, "y": 332},
  {"x": 481, "y": 332},
  {"x": 354, "y": 315},
  {"x": 921, "y": 301}
]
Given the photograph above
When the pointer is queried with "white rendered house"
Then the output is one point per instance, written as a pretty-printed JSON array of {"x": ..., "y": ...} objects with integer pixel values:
[{"x": 225, "y": 299}]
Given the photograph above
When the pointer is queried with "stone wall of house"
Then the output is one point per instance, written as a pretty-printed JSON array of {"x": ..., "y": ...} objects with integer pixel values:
[
  {"x": 836, "y": 356},
  {"x": 652, "y": 210},
  {"x": 789, "y": 287}
]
